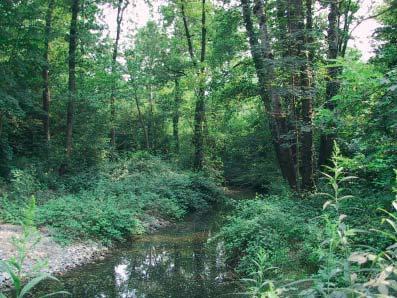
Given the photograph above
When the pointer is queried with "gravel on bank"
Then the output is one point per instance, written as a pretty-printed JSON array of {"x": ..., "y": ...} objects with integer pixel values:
[{"x": 58, "y": 259}]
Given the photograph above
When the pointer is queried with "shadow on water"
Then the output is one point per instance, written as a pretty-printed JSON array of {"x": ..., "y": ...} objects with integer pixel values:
[{"x": 173, "y": 262}]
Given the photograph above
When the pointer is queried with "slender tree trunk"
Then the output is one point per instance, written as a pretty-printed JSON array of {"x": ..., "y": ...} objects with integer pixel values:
[
  {"x": 142, "y": 121},
  {"x": 72, "y": 77},
  {"x": 119, "y": 19},
  {"x": 45, "y": 73},
  {"x": 188, "y": 35},
  {"x": 332, "y": 88},
  {"x": 150, "y": 125},
  {"x": 175, "y": 117},
  {"x": 262, "y": 58}
]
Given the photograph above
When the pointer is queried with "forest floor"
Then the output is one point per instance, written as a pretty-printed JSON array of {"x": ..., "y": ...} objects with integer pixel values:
[{"x": 46, "y": 255}]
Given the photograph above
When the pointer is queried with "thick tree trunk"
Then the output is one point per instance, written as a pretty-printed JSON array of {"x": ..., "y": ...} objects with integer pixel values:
[
  {"x": 45, "y": 73},
  {"x": 332, "y": 88},
  {"x": 176, "y": 115},
  {"x": 72, "y": 78},
  {"x": 261, "y": 55},
  {"x": 198, "y": 134},
  {"x": 1, "y": 123},
  {"x": 119, "y": 19},
  {"x": 307, "y": 168},
  {"x": 199, "y": 113}
]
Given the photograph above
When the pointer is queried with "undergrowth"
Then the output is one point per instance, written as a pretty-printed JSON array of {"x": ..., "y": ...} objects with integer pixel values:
[
  {"x": 318, "y": 246},
  {"x": 109, "y": 203}
]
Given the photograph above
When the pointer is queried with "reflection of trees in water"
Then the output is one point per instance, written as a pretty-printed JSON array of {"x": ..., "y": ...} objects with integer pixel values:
[
  {"x": 176, "y": 265},
  {"x": 173, "y": 269}
]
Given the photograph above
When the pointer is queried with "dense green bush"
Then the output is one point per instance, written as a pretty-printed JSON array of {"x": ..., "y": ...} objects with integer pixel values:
[
  {"x": 83, "y": 216},
  {"x": 110, "y": 202},
  {"x": 281, "y": 226}
]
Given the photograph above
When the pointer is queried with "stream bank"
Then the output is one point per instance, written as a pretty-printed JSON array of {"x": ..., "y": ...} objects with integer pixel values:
[
  {"x": 58, "y": 259},
  {"x": 176, "y": 261}
]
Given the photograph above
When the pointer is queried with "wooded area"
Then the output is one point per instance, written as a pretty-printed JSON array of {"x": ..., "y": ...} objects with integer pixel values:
[
  {"x": 250, "y": 94},
  {"x": 181, "y": 84}
]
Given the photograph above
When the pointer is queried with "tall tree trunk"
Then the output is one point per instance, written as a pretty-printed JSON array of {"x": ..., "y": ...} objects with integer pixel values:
[
  {"x": 175, "y": 117},
  {"x": 199, "y": 113},
  {"x": 1, "y": 123},
  {"x": 198, "y": 134},
  {"x": 188, "y": 35},
  {"x": 72, "y": 78},
  {"x": 119, "y": 19},
  {"x": 142, "y": 121},
  {"x": 262, "y": 58},
  {"x": 306, "y": 149},
  {"x": 150, "y": 125},
  {"x": 332, "y": 88},
  {"x": 45, "y": 73}
]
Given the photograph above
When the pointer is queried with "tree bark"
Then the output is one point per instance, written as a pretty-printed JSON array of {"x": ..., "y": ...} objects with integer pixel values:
[
  {"x": 307, "y": 168},
  {"x": 332, "y": 87},
  {"x": 188, "y": 35},
  {"x": 72, "y": 78},
  {"x": 45, "y": 73},
  {"x": 199, "y": 113},
  {"x": 261, "y": 55},
  {"x": 1, "y": 123},
  {"x": 142, "y": 121},
  {"x": 150, "y": 125},
  {"x": 119, "y": 19},
  {"x": 176, "y": 115}
]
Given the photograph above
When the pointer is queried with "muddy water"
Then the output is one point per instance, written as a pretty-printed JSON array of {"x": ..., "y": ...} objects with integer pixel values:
[{"x": 174, "y": 262}]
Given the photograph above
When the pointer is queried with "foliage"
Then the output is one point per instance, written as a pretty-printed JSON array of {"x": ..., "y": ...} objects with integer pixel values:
[
  {"x": 260, "y": 121},
  {"x": 366, "y": 121},
  {"x": 14, "y": 266},
  {"x": 258, "y": 286},
  {"x": 278, "y": 225},
  {"x": 109, "y": 203},
  {"x": 351, "y": 261}
]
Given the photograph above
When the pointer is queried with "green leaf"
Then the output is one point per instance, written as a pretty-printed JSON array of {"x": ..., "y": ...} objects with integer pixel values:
[{"x": 34, "y": 282}]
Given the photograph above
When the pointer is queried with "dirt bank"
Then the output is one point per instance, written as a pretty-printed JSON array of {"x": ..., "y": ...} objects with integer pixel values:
[{"x": 59, "y": 259}]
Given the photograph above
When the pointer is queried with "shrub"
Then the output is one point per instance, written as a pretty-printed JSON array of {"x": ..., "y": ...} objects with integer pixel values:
[
  {"x": 108, "y": 203},
  {"x": 275, "y": 224},
  {"x": 82, "y": 217}
]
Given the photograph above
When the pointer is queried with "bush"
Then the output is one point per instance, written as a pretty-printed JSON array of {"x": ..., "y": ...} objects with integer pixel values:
[
  {"x": 277, "y": 225},
  {"x": 108, "y": 203},
  {"x": 73, "y": 217}
]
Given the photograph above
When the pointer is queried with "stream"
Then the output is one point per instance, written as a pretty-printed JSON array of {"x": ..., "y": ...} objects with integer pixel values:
[{"x": 173, "y": 262}]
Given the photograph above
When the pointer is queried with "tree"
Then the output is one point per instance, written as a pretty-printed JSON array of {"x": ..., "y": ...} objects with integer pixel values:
[
  {"x": 262, "y": 58},
  {"x": 337, "y": 40},
  {"x": 199, "y": 114},
  {"x": 72, "y": 77},
  {"x": 120, "y": 12},
  {"x": 46, "y": 87}
]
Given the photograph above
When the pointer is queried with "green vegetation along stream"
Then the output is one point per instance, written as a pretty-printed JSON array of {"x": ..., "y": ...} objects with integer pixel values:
[{"x": 173, "y": 262}]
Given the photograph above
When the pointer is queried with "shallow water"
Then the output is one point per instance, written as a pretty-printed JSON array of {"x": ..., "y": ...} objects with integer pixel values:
[{"x": 173, "y": 262}]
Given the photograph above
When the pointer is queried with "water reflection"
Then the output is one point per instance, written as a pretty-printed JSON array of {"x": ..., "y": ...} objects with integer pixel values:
[{"x": 172, "y": 263}]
